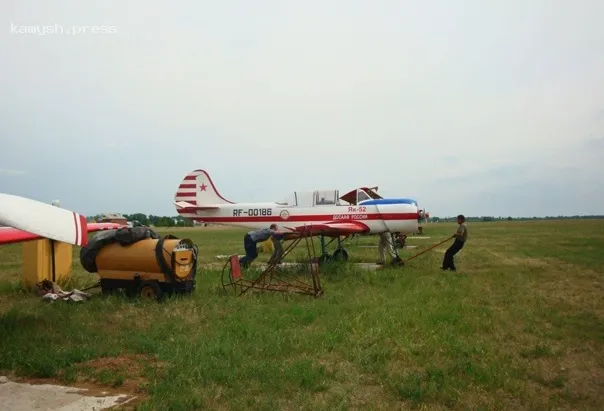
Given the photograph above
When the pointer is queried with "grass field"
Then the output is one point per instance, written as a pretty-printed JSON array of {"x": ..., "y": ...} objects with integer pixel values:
[{"x": 519, "y": 326}]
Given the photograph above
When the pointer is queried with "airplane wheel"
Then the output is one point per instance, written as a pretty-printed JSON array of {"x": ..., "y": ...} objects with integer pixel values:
[
  {"x": 340, "y": 255},
  {"x": 325, "y": 258}
]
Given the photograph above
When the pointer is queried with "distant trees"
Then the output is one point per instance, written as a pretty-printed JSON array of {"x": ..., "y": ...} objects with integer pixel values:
[
  {"x": 140, "y": 217},
  {"x": 490, "y": 218},
  {"x": 152, "y": 220},
  {"x": 160, "y": 221}
]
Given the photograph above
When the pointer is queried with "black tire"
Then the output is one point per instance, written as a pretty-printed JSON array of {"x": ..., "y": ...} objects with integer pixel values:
[
  {"x": 149, "y": 290},
  {"x": 340, "y": 255},
  {"x": 324, "y": 259},
  {"x": 106, "y": 289}
]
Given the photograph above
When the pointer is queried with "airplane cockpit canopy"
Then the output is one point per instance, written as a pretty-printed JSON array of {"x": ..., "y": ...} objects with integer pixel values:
[
  {"x": 326, "y": 197},
  {"x": 358, "y": 195},
  {"x": 312, "y": 198},
  {"x": 318, "y": 198}
]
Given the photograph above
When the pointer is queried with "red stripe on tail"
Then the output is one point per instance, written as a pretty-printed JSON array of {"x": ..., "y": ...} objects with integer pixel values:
[{"x": 204, "y": 176}]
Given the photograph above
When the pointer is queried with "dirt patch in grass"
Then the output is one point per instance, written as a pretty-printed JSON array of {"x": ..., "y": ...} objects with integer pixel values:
[
  {"x": 578, "y": 289},
  {"x": 127, "y": 370},
  {"x": 516, "y": 261},
  {"x": 356, "y": 389},
  {"x": 574, "y": 377},
  {"x": 584, "y": 376}
]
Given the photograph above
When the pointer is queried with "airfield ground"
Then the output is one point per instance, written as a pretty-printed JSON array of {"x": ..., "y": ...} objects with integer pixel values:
[{"x": 520, "y": 326}]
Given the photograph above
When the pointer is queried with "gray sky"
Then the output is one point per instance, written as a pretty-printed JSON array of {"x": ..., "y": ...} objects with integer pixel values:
[{"x": 476, "y": 107}]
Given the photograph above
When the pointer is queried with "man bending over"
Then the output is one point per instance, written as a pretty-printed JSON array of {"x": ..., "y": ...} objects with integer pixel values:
[{"x": 251, "y": 240}]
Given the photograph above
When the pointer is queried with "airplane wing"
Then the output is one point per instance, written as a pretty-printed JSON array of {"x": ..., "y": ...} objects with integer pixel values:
[
  {"x": 332, "y": 229},
  {"x": 10, "y": 235},
  {"x": 28, "y": 219}
]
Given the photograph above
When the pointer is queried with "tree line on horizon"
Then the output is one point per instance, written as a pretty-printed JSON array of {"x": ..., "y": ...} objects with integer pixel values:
[
  {"x": 492, "y": 218},
  {"x": 152, "y": 220}
]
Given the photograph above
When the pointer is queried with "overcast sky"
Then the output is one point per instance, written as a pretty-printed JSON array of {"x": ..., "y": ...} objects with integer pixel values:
[{"x": 476, "y": 107}]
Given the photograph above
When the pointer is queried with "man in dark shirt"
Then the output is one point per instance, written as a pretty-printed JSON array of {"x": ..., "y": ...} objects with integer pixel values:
[
  {"x": 252, "y": 238},
  {"x": 461, "y": 235}
]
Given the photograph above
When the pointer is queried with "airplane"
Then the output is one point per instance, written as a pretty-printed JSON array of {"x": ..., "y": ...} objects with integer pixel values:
[
  {"x": 26, "y": 219},
  {"x": 324, "y": 213}
]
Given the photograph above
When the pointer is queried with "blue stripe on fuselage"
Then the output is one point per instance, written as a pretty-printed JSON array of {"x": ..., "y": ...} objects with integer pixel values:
[{"x": 389, "y": 201}]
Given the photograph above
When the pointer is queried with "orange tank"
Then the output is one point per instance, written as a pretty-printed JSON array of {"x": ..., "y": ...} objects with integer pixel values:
[
  {"x": 161, "y": 265},
  {"x": 141, "y": 256}
]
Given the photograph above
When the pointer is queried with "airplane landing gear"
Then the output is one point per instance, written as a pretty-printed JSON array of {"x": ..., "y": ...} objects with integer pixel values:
[
  {"x": 399, "y": 242},
  {"x": 340, "y": 254},
  {"x": 324, "y": 257}
]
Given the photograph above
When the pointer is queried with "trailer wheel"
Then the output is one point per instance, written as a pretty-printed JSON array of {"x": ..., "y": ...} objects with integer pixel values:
[
  {"x": 149, "y": 290},
  {"x": 106, "y": 289}
]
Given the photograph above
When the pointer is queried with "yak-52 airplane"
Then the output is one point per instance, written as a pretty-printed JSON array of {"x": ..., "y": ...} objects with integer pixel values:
[
  {"x": 323, "y": 212},
  {"x": 26, "y": 219}
]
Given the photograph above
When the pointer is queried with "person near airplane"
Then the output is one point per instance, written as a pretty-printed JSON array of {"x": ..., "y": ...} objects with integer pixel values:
[
  {"x": 461, "y": 236},
  {"x": 386, "y": 245},
  {"x": 252, "y": 238},
  {"x": 278, "y": 250}
]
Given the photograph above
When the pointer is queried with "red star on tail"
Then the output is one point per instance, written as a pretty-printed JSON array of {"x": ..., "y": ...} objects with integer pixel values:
[{"x": 203, "y": 187}]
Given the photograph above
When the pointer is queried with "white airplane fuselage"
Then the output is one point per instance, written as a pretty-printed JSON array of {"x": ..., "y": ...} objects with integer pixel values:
[
  {"x": 377, "y": 218},
  {"x": 198, "y": 199}
]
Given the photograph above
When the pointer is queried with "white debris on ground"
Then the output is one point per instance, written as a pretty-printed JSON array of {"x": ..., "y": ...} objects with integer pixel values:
[
  {"x": 51, "y": 292},
  {"x": 25, "y": 397},
  {"x": 75, "y": 295}
]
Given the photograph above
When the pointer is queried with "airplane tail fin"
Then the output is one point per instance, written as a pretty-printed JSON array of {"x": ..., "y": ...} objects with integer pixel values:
[{"x": 197, "y": 192}]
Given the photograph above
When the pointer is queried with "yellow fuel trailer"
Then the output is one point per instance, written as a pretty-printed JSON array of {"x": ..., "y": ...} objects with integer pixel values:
[{"x": 140, "y": 262}]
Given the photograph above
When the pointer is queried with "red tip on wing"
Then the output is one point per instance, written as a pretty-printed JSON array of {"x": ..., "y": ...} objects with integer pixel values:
[
  {"x": 83, "y": 231},
  {"x": 9, "y": 235}
]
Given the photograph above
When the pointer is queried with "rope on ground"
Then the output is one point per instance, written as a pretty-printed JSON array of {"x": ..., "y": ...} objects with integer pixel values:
[{"x": 428, "y": 249}]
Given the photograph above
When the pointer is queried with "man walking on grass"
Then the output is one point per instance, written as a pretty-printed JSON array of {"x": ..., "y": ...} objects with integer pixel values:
[{"x": 461, "y": 235}]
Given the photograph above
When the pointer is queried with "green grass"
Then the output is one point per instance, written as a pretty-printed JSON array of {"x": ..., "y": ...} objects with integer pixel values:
[{"x": 520, "y": 326}]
